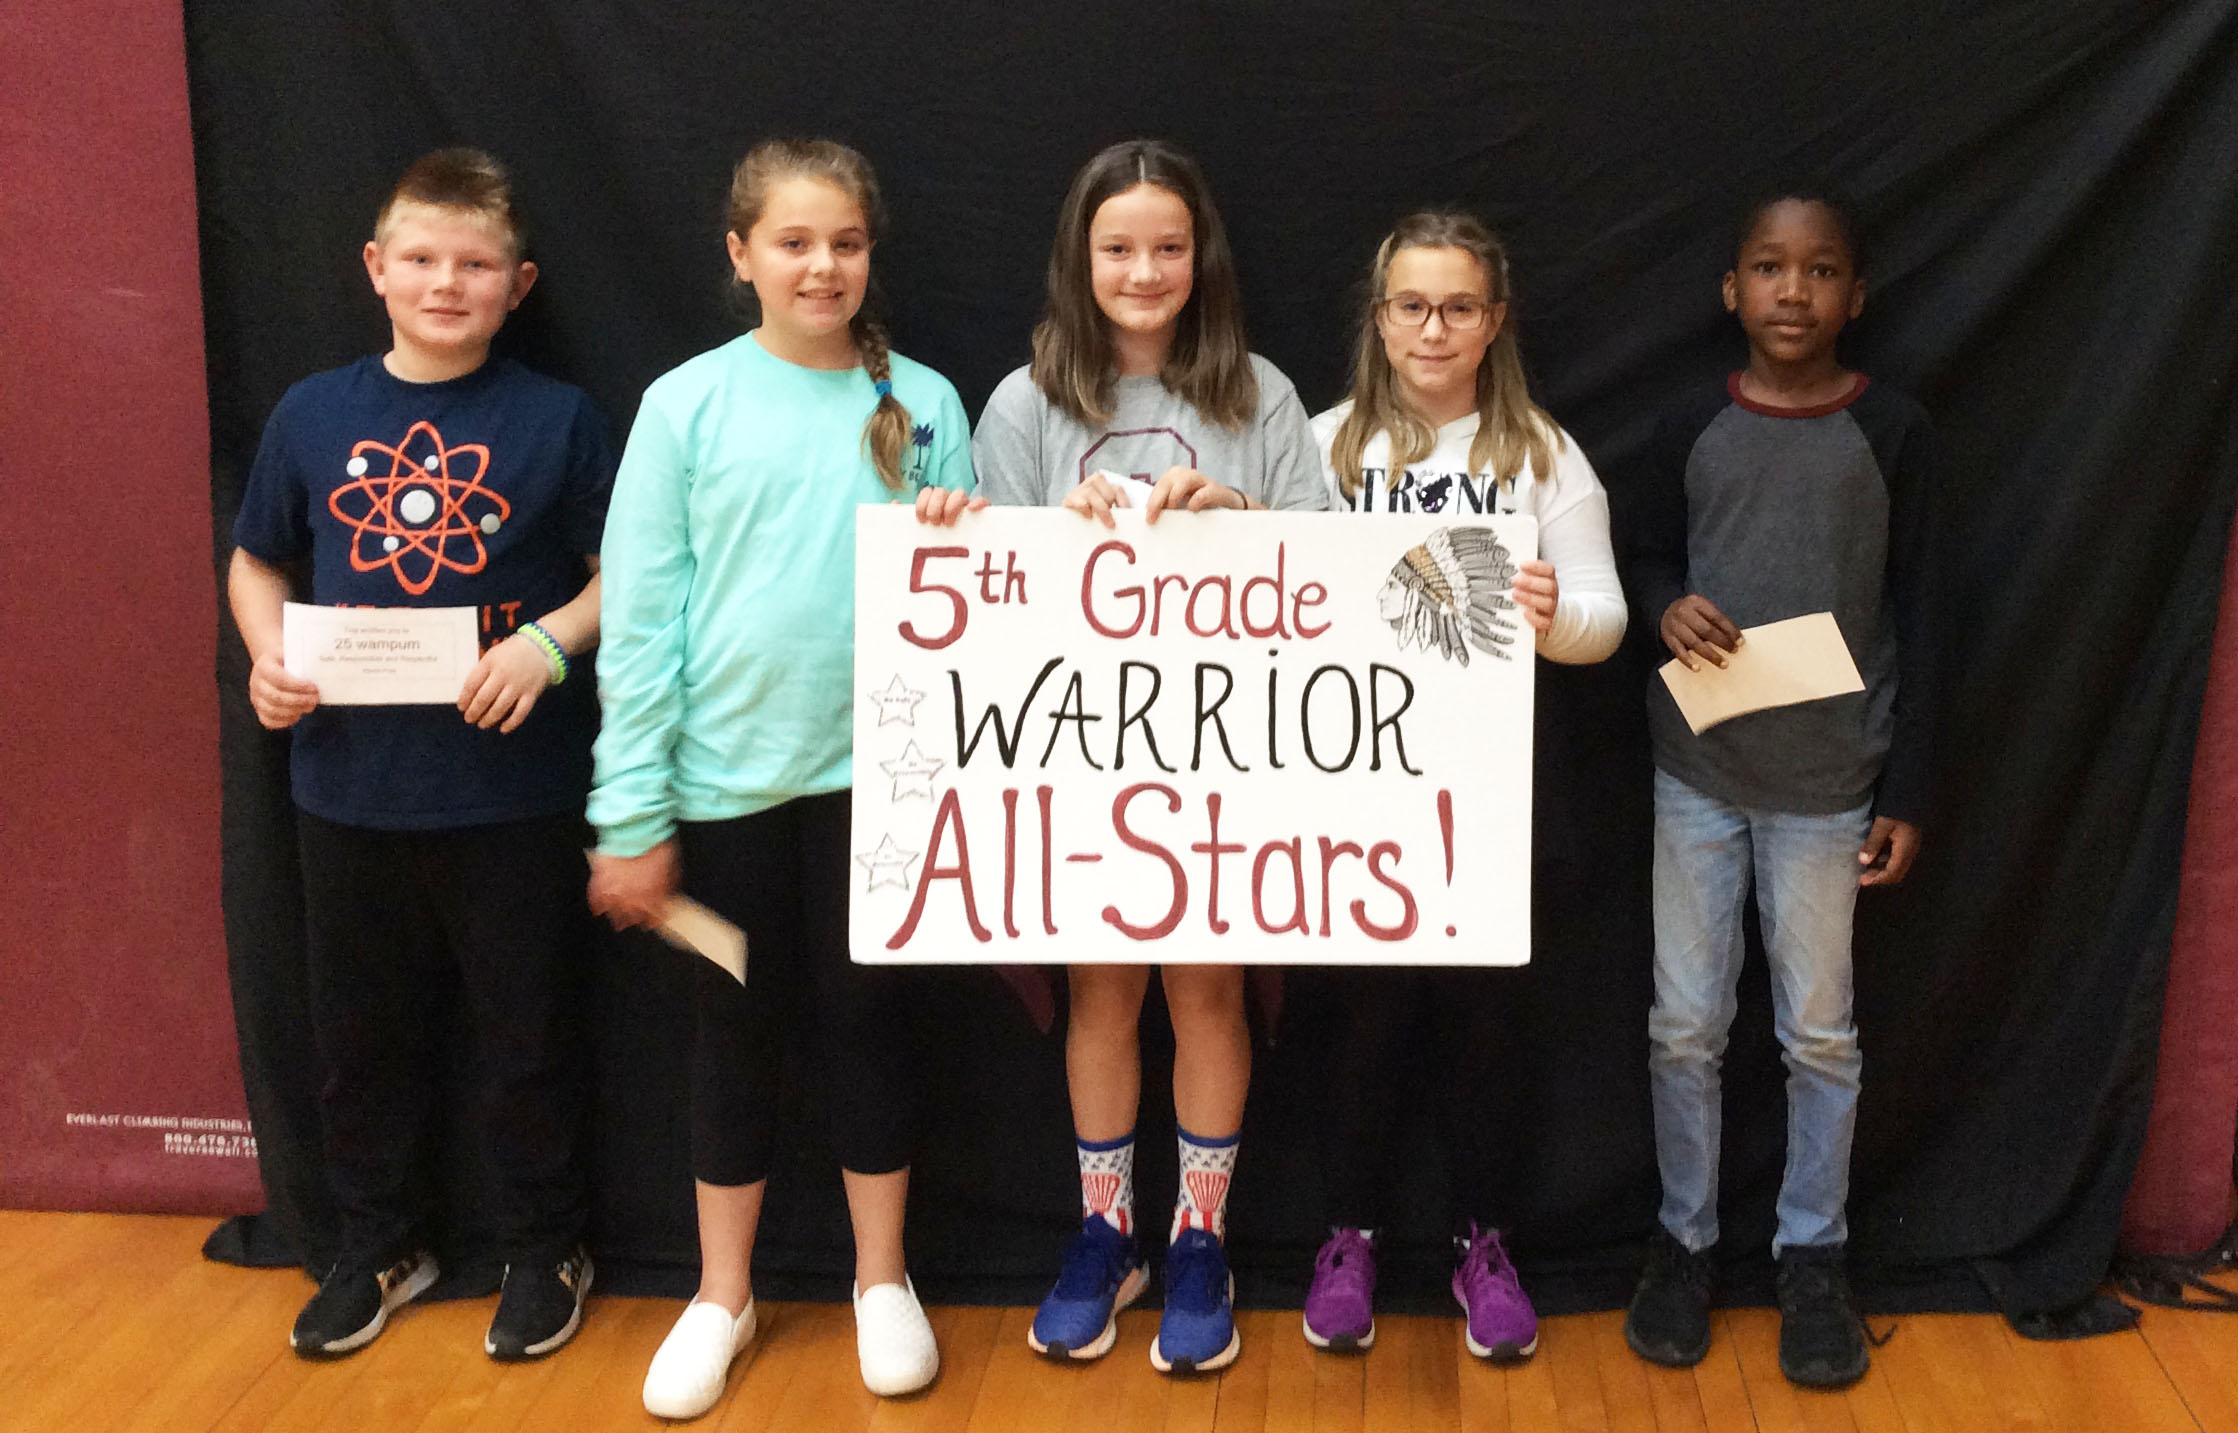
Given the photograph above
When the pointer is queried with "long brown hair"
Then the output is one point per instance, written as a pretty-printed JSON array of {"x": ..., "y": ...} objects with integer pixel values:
[
  {"x": 1209, "y": 364},
  {"x": 1511, "y": 430},
  {"x": 886, "y": 431}
]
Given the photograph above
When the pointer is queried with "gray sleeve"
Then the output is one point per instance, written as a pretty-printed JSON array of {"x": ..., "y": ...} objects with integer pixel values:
[
  {"x": 1292, "y": 478},
  {"x": 1006, "y": 448}
]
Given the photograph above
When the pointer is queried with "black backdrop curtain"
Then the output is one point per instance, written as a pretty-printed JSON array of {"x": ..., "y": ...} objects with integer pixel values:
[{"x": 2049, "y": 198}]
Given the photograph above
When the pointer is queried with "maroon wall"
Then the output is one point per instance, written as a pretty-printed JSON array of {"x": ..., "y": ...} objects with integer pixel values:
[
  {"x": 118, "y": 1083},
  {"x": 2181, "y": 1199}
]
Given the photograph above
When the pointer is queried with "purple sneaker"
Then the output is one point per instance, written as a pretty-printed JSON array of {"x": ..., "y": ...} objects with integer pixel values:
[
  {"x": 1340, "y": 1307},
  {"x": 1502, "y": 1326}
]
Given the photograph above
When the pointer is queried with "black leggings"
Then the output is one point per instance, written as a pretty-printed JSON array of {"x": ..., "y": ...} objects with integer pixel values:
[
  {"x": 1456, "y": 1027},
  {"x": 782, "y": 876}
]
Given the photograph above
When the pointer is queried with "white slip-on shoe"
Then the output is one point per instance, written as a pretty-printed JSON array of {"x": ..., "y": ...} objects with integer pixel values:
[
  {"x": 687, "y": 1374},
  {"x": 893, "y": 1340}
]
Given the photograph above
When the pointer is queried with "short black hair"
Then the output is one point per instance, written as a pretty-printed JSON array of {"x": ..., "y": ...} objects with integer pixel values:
[{"x": 1825, "y": 196}]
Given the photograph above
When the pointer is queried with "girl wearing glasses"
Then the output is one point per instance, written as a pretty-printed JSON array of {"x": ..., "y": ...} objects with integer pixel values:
[{"x": 1440, "y": 421}]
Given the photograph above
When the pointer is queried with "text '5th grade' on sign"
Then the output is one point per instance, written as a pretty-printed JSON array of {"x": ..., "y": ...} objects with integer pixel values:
[{"x": 1236, "y": 737}]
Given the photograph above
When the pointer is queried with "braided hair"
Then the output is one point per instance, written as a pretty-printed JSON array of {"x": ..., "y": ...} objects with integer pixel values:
[{"x": 886, "y": 431}]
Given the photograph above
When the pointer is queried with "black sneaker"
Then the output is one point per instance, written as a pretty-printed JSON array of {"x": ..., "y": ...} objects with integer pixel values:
[
  {"x": 1669, "y": 1320},
  {"x": 354, "y": 1301},
  {"x": 541, "y": 1307},
  {"x": 1822, "y": 1340}
]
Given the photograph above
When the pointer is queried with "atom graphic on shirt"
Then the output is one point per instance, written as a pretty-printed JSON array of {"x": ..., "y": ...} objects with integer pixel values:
[{"x": 428, "y": 512}]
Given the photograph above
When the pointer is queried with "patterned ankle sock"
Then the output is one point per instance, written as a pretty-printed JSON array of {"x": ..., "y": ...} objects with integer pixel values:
[
  {"x": 1206, "y": 1167},
  {"x": 1107, "y": 1180}
]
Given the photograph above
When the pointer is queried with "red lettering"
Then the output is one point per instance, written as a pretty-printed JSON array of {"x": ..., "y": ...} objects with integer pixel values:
[
  {"x": 1158, "y": 587},
  {"x": 1174, "y": 874},
  {"x": 1330, "y": 852},
  {"x": 1088, "y": 591},
  {"x": 1243, "y": 605},
  {"x": 1189, "y": 614},
  {"x": 1214, "y": 847},
  {"x": 951, "y": 813},
  {"x": 1376, "y": 855},
  {"x": 1048, "y": 906},
  {"x": 1010, "y": 860},
  {"x": 1230, "y": 607},
  {"x": 959, "y": 610},
  {"x": 1297, "y": 921}
]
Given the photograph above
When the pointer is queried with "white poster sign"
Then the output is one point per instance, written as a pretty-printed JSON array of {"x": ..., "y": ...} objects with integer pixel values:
[{"x": 1239, "y": 737}]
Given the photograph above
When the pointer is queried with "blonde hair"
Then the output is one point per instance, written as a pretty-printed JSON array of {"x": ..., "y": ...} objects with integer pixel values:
[
  {"x": 1209, "y": 364},
  {"x": 466, "y": 180},
  {"x": 886, "y": 431},
  {"x": 1512, "y": 432}
]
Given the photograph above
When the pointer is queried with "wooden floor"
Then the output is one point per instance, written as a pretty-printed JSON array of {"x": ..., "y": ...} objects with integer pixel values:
[{"x": 110, "y": 1322}]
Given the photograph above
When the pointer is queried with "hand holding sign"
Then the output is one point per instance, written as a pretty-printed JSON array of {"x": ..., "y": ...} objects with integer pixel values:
[
  {"x": 1100, "y": 494},
  {"x": 1188, "y": 488}
]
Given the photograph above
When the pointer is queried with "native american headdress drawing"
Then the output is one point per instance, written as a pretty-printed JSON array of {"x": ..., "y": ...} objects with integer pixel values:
[{"x": 1448, "y": 593}]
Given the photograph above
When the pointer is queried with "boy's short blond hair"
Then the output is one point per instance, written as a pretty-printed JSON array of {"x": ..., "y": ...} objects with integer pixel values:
[{"x": 461, "y": 179}]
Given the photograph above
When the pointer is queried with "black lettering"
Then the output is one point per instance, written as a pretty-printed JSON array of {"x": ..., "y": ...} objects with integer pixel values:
[
  {"x": 1305, "y": 716},
  {"x": 1139, "y": 717},
  {"x": 1073, "y": 708},
  {"x": 1006, "y": 743},
  {"x": 1378, "y": 670},
  {"x": 1212, "y": 714}
]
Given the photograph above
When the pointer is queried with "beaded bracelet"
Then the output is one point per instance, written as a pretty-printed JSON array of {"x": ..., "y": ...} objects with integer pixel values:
[{"x": 554, "y": 655}]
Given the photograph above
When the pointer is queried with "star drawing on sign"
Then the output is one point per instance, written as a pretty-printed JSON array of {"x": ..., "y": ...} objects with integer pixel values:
[
  {"x": 912, "y": 772},
  {"x": 897, "y": 702},
  {"x": 888, "y": 865}
]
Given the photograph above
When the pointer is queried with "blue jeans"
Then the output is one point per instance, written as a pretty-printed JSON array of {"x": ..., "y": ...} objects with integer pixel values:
[{"x": 1805, "y": 871}]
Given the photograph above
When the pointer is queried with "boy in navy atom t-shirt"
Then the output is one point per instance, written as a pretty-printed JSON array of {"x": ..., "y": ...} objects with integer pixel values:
[
  {"x": 1801, "y": 487},
  {"x": 440, "y": 842}
]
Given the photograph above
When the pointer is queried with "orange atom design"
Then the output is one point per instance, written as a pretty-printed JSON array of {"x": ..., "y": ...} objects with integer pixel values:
[{"x": 423, "y": 515}]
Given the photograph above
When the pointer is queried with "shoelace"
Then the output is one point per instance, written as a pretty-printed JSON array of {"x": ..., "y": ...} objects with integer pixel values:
[
  {"x": 1088, "y": 1269},
  {"x": 1343, "y": 1251},
  {"x": 1196, "y": 1275},
  {"x": 1486, "y": 1257},
  {"x": 1814, "y": 1281}
]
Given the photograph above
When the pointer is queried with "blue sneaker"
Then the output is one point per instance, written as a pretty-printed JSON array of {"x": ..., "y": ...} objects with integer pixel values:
[
  {"x": 1197, "y": 1331},
  {"x": 1103, "y": 1274}
]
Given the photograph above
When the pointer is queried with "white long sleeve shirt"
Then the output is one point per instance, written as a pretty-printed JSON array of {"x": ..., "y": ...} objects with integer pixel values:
[{"x": 1571, "y": 505}]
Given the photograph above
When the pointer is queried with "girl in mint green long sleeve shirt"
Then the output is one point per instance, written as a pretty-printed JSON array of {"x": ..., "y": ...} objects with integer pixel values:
[
  {"x": 728, "y": 663},
  {"x": 722, "y": 768}
]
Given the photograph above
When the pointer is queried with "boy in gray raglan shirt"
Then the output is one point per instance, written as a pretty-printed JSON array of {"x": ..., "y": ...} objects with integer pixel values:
[{"x": 1800, "y": 487}]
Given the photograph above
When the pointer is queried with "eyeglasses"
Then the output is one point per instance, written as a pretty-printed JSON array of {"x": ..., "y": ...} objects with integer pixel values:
[{"x": 1411, "y": 310}]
